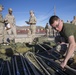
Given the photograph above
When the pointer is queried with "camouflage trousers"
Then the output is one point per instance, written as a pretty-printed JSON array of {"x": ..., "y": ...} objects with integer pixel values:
[
  {"x": 33, "y": 29},
  {"x": 29, "y": 32},
  {"x": 12, "y": 31},
  {"x": 47, "y": 32},
  {"x": 10, "y": 34},
  {"x": 1, "y": 33}
]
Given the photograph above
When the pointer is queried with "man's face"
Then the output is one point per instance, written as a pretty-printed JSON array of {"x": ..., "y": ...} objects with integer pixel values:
[
  {"x": 1, "y": 9},
  {"x": 10, "y": 12},
  {"x": 31, "y": 14},
  {"x": 57, "y": 25}
]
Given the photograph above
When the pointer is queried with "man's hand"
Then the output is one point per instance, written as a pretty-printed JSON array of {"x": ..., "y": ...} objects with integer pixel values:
[
  {"x": 63, "y": 64},
  {"x": 5, "y": 21},
  {"x": 8, "y": 26}
]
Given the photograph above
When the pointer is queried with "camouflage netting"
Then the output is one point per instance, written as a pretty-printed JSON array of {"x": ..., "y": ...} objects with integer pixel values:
[
  {"x": 7, "y": 51},
  {"x": 44, "y": 39},
  {"x": 22, "y": 48}
]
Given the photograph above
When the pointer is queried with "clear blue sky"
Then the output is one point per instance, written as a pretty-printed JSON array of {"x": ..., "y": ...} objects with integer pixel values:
[{"x": 43, "y": 9}]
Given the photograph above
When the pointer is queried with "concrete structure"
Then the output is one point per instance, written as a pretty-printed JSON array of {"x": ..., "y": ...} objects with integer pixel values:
[
  {"x": 26, "y": 39},
  {"x": 22, "y": 34}
]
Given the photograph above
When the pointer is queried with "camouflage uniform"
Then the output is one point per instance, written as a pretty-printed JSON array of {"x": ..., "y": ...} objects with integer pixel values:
[
  {"x": 1, "y": 28},
  {"x": 50, "y": 30},
  {"x": 47, "y": 29},
  {"x": 32, "y": 22},
  {"x": 1, "y": 8},
  {"x": 11, "y": 20},
  {"x": 1, "y": 25},
  {"x": 29, "y": 32},
  {"x": 74, "y": 21}
]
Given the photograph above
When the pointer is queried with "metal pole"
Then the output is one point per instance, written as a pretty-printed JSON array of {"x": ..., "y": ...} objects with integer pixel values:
[
  {"x": 67, "y": 67},
  {"x": 8, "y": 67}
]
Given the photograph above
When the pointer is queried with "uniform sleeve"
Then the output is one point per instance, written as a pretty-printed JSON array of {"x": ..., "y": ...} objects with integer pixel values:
[
  {"x": 6, "y": 17},
  {"x": 14, "y": 21},
  {"x": 1, "y": 20},
  {"x": 69, "y": 32},
  {"x": 35, "y": 20}
]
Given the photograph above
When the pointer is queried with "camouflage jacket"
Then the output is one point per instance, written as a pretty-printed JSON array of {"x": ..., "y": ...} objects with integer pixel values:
[
  {"x": 1, "y": 19},
  {"x": 32, "y": 20},
  {"x": 10, "y": 19}
]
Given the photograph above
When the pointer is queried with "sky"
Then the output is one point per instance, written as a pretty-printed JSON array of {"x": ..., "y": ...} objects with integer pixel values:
[{"x": 43, "y": 10}]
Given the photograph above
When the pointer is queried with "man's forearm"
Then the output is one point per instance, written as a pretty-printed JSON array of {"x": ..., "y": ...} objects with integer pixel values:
[{"x": 69, "y": 52}]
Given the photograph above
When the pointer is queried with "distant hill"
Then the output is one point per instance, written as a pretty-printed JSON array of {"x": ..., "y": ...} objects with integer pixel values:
[{"x": 24, "y": 29}]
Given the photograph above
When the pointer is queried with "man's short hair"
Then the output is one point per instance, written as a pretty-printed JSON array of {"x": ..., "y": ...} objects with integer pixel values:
[
  {"x": 52, "y": 19},
  {"x": 10, "y": 9},
  {"x": 31, "y": 11}
]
